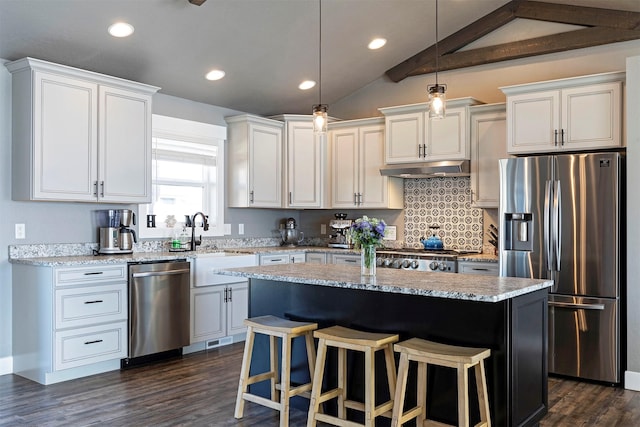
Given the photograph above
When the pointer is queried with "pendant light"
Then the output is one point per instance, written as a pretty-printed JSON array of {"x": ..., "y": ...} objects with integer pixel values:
[
  {"x": 320, "y": 109},
  {"x": 437, "y": 97}
]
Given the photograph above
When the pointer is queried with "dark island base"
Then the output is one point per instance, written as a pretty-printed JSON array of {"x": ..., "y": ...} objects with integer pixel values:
[{"x": 515, "y": 330}]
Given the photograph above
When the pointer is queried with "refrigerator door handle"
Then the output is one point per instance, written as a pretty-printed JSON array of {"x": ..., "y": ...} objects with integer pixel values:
[
  {"x": 547, "y": 227},
  {"x": 557, "y": 223},
  {"x": 576, "y": 305}
]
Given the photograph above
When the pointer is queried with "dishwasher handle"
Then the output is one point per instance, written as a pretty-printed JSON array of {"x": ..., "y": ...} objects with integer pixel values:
[
  {"x": 576, "y": 305},
  {"x": 161, "y": 273}
]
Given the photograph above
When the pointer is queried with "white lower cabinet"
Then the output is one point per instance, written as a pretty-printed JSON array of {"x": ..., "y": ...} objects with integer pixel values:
[
  {"x": 219, "y": 311},
  {"x": 316, "y": 258},
  {"x": 68, "y": 322},
  {"x": 478, "y": 267},
  {"x": 282, "y": 258},
  {"x": 346, "y": 259}
]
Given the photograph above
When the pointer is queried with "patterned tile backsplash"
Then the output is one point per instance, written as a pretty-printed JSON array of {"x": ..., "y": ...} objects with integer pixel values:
[{"x": 445, "y": 202}]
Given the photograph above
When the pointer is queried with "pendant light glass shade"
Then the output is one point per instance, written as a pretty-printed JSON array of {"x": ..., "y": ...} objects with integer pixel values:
[
  {"x": 437, "y": 101},
  {"x": 320, "y": 118},
  {"x": 437, "y": 96}
]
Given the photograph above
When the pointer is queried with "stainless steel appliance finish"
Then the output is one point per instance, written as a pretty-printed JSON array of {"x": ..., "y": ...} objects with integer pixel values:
[
  {"x": 340, "y": 237},
  {"x": 428, "y": 169},
  {"x": 115, "y": 235},
  {"x": 158, "y": 307},
  {"x": 442, "y": 261},
  {"x": 561, "y": 219}
]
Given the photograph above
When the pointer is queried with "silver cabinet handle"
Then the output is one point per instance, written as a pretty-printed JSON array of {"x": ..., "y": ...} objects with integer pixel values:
[
  {"x": 101, "y": 188},
  {"x": 555, "y": 137},
  {"x": 162, "y": 273},
  {"x": 355, "y": 199},
  {"x": 226, "y": 291},
  {"x": 290, "y": 197},
  {"x": 251, "y": 196},
  {"x": 419, "y": 150},
  {"x": 562, "y": 136},
  {"x": 95, "y": 188},
  {"x": 576, "y": 305},
  {"x": 230, "y": 295}
]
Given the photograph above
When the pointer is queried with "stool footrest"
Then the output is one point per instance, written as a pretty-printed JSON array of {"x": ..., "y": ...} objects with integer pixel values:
[
  {"x": 261, "y": 377},
  {"x": 336, "y": 421},
  {"x": 296, "y": 390},
  {"x": 261, "y": 400},
  {"x": 328, "y": 395},
  {"x": 383, "y": 409},
  {"x": 410, "y": 414}
]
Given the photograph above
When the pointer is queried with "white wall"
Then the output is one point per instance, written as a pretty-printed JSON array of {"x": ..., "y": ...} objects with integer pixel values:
[{"x": 632, "y": 378}]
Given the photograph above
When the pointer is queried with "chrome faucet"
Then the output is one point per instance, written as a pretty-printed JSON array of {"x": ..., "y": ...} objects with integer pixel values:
[{"x": 205, "y": 225}]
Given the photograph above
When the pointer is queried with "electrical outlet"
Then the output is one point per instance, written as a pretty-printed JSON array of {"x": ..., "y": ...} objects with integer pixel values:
[
  {"x": 241, "y": 229},
  {"x": 21, "y": 232},
  {"x": 227, "y": 229},
  {"x": 323, "y": 228}
]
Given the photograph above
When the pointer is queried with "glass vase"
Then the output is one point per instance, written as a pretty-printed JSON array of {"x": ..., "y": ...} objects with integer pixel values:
[{"x": 368, "y": 260}]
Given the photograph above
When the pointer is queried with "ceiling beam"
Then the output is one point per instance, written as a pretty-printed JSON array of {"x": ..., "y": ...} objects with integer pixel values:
[
  {"x": 604, "y": 26},
  {"x": 576, "y": 39}
]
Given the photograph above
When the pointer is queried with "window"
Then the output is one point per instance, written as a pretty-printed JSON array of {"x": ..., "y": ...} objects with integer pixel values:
[{"x": 187, "y": 176}]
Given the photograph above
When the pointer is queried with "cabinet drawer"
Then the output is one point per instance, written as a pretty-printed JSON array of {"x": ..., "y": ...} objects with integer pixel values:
[
  {"x": 94, "y": 274},
  {"x": 274, "y": 259},
  {"x": 85, "y": 306},
  {"x": 474, "y": 267},
  {"x": 346, "y": 259},
  {"x": 78, "y": 347}
]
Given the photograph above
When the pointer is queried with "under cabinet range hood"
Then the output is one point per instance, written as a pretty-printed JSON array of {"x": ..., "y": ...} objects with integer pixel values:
[{"x": 427, "y": 169}]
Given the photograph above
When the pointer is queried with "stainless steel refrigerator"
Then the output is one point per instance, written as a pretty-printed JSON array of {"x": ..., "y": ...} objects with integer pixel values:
[{"x": 561, "y": 218}]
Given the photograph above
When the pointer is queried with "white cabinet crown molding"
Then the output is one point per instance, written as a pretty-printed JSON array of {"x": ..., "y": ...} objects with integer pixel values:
[{"x": 564, "y": 83}]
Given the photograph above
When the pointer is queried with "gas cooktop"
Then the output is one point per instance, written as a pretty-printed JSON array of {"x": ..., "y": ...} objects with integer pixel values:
[{"x": 425, "y": 252}]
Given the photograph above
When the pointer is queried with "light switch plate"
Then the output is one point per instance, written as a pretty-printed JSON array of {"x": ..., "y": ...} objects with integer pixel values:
[
  {"x": 323, "y": 228},
  {"x": 240, "y": 229},
  {"x": 21, "y": 232},
  {"x": 227, "y": 229}
]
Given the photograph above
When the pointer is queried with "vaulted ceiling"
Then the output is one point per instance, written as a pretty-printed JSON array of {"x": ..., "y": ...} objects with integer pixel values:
[{"x": 267, "y": 47}]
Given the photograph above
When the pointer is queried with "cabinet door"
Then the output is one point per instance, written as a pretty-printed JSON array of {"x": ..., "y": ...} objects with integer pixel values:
[
  {"x": 125, "y": 146},
  {"x": 448, "y": 136},
  {"x": 237, "y": 307},
  {"x": 208, "y": 317},
  {"x": 297, "y": 258},
  {"x": 533, "y": 119},
  {"x": 265, "y": 166},
  {"x": 405, "y": 134},
  {"x": 304, "y": 166},
  {"x": 345, "y": 259},
  {"x": 591, "y": 116},
  {"x": 488, "y": 145},
  {"x": 373, "y": 186},
  {"x": 345, "y": 167},
  {"x": 65, "y": 140},
  {"x": 312, "y": 258}
]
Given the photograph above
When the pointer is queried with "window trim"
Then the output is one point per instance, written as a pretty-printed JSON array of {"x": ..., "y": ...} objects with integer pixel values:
[{"x": 192, "y": 131}]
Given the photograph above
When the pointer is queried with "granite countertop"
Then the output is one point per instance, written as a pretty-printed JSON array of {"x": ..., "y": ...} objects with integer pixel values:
[{"x": 442, "y": 285}]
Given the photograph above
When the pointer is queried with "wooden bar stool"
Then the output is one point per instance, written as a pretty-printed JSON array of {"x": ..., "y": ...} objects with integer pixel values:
[
  {"x": 349, "y": 339},
  {"x": 428, "y": 352},
  {"x": 287, "y": 330}
]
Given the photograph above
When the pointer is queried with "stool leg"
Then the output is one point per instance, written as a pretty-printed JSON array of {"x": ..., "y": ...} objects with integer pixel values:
[
  {"x": 369, "y": 386},
  {"x": 273, "y": 358},
  {"x": 316, "y": 389},
  {"x": 244, "y": 372},
  {"x": 311, "y": 353},
  {"x": 401, "y": 388},
  {"x": 342, "y": 382},
  {"x": 391, "y": 369},
  {"x": 463, "y": 395},
  {"x": 285, "y": 381},
  {"x": 483, "y": 398},
  {"x": 421, "y": 394}
]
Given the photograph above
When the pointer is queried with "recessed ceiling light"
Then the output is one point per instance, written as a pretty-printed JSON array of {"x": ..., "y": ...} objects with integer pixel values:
[
  {"x": 215, "y": 75},
  {"x": 377, "y": 43},
  {"x": 307, "y": 84},
  {"x": 120, "y": 29}
]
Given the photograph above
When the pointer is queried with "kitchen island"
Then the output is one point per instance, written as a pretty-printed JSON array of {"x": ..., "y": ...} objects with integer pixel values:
[{"x": 506, "y": 315}]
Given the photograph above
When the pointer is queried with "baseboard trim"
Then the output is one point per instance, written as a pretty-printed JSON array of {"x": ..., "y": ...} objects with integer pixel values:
[
  {"x": 632, "y": 380},
  {"x": 6, "y": 365}
]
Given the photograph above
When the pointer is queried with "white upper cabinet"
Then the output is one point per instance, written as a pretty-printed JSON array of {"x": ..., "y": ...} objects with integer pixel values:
[
  {"x": 79, "y": 136},
  {"x": 255, "y": 169},
  {"x": 412, "y": 137},
  {"x": 306, "y": 163},
  {"x": 580, "y": 113},
  {"x": 488, "y": 125},
  {"x": 357, "y": 154}
]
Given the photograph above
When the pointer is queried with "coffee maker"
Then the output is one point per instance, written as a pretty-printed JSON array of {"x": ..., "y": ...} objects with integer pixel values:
[
  {"x": 340, "y": 237},
  {"x": 115, "y": 235}
]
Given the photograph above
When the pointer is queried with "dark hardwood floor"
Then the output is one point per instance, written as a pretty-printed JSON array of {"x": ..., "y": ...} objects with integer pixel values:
[{"x": 200, "y": 389}]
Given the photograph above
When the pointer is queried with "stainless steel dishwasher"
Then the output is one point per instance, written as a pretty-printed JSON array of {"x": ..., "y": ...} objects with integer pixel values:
[{"x": 158, "y": 307}]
